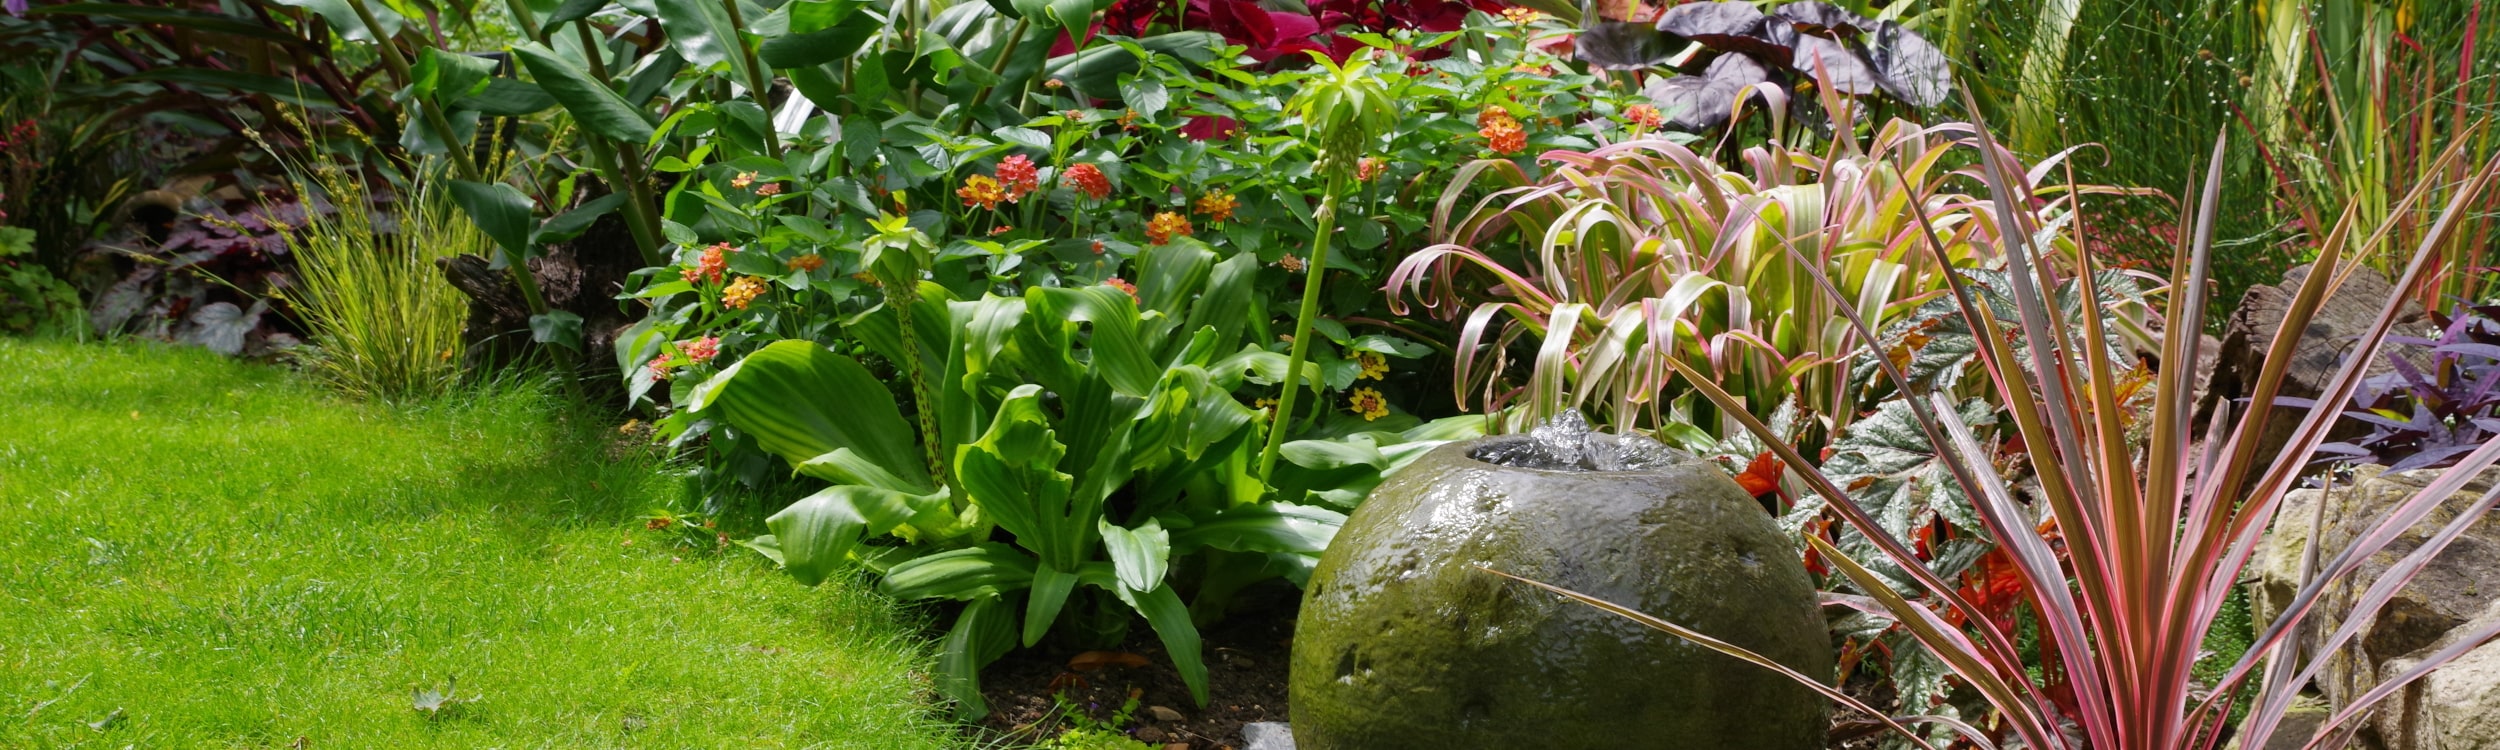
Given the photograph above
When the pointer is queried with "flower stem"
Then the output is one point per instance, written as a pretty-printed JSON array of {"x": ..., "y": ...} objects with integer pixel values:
[{"x": 1326, "y": 221}]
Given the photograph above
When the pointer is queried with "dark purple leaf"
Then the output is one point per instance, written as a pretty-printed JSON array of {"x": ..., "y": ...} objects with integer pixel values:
[
  {"x": 2433, "y": 457},
  {"x": 1615, "y": 45},
  {"x": 1909, "y": 68},
  {"x": 2486, "y": 351},
  {"x": 1730, "y": 27},
  {"x": 1823, "y": 19},
  {"x": 1702, "y": 103},
  {"x": 1835, "y": 65}
]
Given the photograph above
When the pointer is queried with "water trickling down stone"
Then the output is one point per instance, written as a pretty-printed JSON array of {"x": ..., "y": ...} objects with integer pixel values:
[{"x": 1565, "y": 443}]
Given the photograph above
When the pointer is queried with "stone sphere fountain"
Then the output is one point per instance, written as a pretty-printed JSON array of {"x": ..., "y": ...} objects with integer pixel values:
[{"x": 1405, "y": 642}]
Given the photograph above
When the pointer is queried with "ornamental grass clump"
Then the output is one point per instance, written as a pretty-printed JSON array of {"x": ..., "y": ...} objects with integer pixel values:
[
  {"x": 384, "y": 323},
  {"x": 2134, "y": 523},
  {"x": 1633, "y": 255}
]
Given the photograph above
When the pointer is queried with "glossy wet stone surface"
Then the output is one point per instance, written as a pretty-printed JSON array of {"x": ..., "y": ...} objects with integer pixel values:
[{"x": 1404, "y": 643}]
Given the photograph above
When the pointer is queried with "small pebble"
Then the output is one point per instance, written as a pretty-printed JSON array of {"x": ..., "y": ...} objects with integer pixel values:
[{"x": 1163, "y": 714}]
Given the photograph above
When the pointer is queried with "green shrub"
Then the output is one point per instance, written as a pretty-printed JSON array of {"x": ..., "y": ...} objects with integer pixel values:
[{"x": 384, "y": 322}]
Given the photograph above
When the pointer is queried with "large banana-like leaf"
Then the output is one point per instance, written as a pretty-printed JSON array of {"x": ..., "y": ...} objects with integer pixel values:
[
  {"x": 803, "y": 403},
  {"x": 808, "y": 33},
  {"x": 589, "y": 100},
  {"x": 702, "y": 33}
]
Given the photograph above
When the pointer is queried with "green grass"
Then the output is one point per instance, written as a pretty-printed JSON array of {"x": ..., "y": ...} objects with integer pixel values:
[{"x": 229, "y": 557}]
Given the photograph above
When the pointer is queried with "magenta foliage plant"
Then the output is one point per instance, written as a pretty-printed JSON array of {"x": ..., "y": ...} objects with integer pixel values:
[{"x": 2159, "y": 514}]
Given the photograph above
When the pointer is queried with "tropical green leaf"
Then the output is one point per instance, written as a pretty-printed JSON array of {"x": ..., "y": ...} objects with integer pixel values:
[
  {"x": 588, "y": 100},
  {"x": 700, "y": 31},
  {"x": 502, "y": 212},
  {"x": 1266, "y": 527},
  {"x": 1139, "y": 555},
  {"x": 817, "y": 533},
  {"x": 557, "y": 327},
  {"x": 802, "y": 402},
  {"x": 504, "y": 97},
  {"x": 573, "y": 10},
  {"x": 1051, "y": 588},
  {"x": 821, "y": 32},
  {"x": 1012, "y": 474},
  {"x": 982, "y": 633},
  {"x": 963, "y": 574}
]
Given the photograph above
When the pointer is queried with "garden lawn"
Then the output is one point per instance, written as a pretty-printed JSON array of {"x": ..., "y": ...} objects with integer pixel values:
[{"x": 201, "y": 553}]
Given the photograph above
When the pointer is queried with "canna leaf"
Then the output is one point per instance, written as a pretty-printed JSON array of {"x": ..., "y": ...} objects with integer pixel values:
[{"x": 589, "y": 101}]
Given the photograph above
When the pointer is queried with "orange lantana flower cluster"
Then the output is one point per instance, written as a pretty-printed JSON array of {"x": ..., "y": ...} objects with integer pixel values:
[
  {"x": 1164, "y": 226},
  {"x": 742, "y": 292},
  {"x": 983, "y": 191},
  {"x": 708, "y": 267},
  {"x": 1501, "y": 131},
  {"x": 1218, "y": 206}
]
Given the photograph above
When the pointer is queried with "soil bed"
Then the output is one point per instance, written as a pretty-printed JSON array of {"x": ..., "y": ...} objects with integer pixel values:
[{"x": 1247, "y": 656}]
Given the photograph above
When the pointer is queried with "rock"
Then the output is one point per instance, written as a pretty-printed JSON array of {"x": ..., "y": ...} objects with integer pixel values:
[
  {"x": 1149, "y": 734},
  {"x": 1163, "y": 714},
  {"x": 2250, "y": 333},
  {"x": 2455, "y": 707},
  {"x": 1267, "y": 735},
  {"x": 1403, "y": 642}
]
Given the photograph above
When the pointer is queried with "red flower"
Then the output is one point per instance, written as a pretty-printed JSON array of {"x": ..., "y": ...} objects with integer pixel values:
[
  {"x": 1116, "y": 283},
  {"x": 1210, "y": 128},
  {"x": 1088, "y": 179},
  {"x": 702, "y": 350},
  {"x": 1019, "y": 176}
]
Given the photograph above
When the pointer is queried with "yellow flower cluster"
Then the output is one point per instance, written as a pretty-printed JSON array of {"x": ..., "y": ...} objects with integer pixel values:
[{"x": 742, "y": 292}]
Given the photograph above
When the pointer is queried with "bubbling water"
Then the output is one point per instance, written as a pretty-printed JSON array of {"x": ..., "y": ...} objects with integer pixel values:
[{"x": 1565, "y": 443}]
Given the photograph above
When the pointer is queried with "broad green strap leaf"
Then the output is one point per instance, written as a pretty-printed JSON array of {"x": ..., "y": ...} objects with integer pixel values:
[
  {"x": 1139, "y": 555},
  {"x": 802, "y": 402},
  {"x": 572, "y": 10},
  {"x": 504, "y": 97},
  {"x": 982, "y": 633},
  {"x": 556, "y": 327},
  {"x": 1051, "y": 587},
  {"x": 1119, "y": 356},
  {"x": 571, "y": 224},
  {"x": 820, "y": 32},
  {"x": 701, "y": 32},
  {"x": 1012, "y": 474},
  {"x": 590, "y": 101},
  {"x": 968, "y": 573},
  {"x": 1269, "y": 527},
  {"x": 1163, "y": 610},
  {"x": 816, "y": 534},
  {"x": 443, "y": 75},
  {"x": 502, "y": 212},
  {"x": 846, "y": 466}
]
